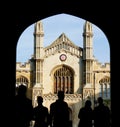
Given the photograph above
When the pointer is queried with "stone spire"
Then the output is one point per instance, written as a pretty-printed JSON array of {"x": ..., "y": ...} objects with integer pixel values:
[
  {"x": 38, "y": 54},
  {"x": 88, "y": 53},
  {"x": 87, "y": 41},
  {"x": 38, "y": 40}
]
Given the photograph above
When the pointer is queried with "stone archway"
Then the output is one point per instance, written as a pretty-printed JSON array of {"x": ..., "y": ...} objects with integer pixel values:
[
  {"x": 104, "y": 85},
  {"x": 22, "y": 80}
]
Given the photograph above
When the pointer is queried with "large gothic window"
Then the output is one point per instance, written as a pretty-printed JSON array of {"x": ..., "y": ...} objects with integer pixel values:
[{"x": 64, "y": 80}]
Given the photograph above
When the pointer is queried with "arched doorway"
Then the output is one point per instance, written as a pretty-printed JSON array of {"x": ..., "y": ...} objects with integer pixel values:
[
  {"x": 21, "y": 80},
  {"x": 64, "y": 79},
  {"x": 105, "y": 87}
]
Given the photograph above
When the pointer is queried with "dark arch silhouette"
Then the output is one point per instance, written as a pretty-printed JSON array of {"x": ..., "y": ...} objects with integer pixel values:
[{"x": 25, "y": 15}]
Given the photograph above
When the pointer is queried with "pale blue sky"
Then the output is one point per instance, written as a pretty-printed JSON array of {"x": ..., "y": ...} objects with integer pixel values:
[{"x": 53, "y": 27}]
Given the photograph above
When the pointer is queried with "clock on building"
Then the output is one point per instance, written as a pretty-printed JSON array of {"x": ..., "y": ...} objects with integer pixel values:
[{"x": 63, "y": 57}]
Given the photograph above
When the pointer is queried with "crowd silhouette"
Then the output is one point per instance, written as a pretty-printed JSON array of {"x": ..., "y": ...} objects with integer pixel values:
[
  {"x": 23, "y": 108},
  {"x": 101, "y": 114},
  {"x": 58, "y": 116}
]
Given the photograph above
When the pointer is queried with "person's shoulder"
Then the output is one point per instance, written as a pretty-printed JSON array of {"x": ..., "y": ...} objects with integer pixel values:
[
  {"x": 107, "y": 108},
  {"x": 95, "y": 108},
  {"x": 52, "y": 104},
  {"x": 35, "y": 108},
  {"x": 45, "y": 107},
  {"x": 82, "y": 109},
  {"x": 29, "y": 101},
  {"x": 65, "y": 103}
]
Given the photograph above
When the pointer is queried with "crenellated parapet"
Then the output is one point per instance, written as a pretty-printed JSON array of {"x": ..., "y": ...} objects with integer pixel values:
[
  {"x": 101, "y": 67},
  {"x": 22, "y": 67}
]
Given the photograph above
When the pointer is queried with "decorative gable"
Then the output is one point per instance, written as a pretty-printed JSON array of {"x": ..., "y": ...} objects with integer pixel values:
[
  {"x": 63, "y": 39},
  {"x": 63, "y": 43}
]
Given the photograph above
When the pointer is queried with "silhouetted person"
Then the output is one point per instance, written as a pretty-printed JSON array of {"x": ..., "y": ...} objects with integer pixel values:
[
  {"x": 59, "y": 112},
  {"x": 40, "y": 114},
  {"x": 23, "y": 108},
  {"x": 101, "y": 114},
  {"x": 85, "y": 115}
]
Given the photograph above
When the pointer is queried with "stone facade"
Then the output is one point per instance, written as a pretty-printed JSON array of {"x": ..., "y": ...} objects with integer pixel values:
[{"x": 66, "y": 66}]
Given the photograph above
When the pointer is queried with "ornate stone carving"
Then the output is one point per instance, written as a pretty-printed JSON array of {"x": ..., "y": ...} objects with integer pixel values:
[{"x": 37, "y": 91}]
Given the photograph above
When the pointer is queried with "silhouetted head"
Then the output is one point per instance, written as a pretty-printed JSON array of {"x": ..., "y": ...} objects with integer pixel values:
[
  {"x": 40, "y": 100},
  {"x": 88, "y": 103},
  {"x": 61, "y": 95},
  {"x": 100, "y": 100},
  {"x": 22, "y": 89}
]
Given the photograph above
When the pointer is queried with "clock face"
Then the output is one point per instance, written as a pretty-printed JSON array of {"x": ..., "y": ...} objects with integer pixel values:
[{"x": 63, "y": 57}]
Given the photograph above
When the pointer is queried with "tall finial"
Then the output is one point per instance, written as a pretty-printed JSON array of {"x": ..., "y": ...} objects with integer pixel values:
[
  {"x": 87, "y": 29},
  {"x": 39, "y": 28}
]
